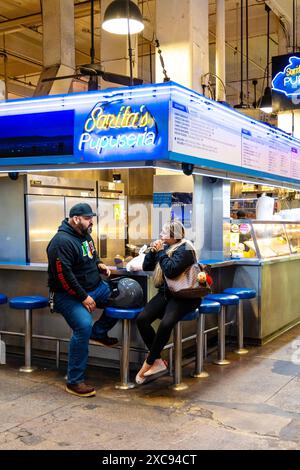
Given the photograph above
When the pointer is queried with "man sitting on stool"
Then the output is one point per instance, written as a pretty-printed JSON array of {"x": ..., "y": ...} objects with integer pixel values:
[{"x": 74, "y": 278}]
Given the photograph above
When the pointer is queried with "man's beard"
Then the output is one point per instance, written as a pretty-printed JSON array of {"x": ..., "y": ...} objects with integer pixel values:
[{"x": 86, "y": 231}]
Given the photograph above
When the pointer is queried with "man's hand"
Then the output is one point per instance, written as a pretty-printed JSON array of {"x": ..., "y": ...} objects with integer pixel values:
[
  {"x": 89, "y": 304},
  {"x": 104, "y": 269}
]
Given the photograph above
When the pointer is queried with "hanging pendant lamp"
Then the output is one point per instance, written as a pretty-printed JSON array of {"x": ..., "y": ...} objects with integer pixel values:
[
  {"x": 123, "y": 17},
  {"x": 266, "y": 100}
]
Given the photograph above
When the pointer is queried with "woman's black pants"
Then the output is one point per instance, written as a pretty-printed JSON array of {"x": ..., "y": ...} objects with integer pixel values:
[{"x": 170, "y": 311}]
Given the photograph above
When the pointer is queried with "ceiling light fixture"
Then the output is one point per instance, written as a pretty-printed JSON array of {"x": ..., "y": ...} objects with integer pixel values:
[{"x": 123, "y": 17}]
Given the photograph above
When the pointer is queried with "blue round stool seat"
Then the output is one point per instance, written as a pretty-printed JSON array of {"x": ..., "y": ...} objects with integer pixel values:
[
  {"x": 223, "y": 299},
  {"x": 209, "y": 306},
  {"x": 29, "y": 302},
  {"x": 3, "y": 299},
  {"x": 191, "y": 316},
  {"x": 123, "y": 313},
  {"x": 241, "y": 292}
]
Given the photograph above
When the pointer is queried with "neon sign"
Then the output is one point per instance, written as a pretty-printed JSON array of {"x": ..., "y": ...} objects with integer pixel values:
[
  {"x": 124, "y": 119},
  {"x": 128, "y": 128},
  {"x": 288, "y": 81}
]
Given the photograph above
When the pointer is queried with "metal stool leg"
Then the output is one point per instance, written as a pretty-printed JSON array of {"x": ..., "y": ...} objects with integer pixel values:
[
  {"x": 28, "y": 342},
  {"x": 2, "y": 351},
  {"x": 199, "y": 372},
  {"x": 240, "y": 329},
  {"x": 57, "y": 353},
  {"x": 205, "y": 346},
  {"x": 222, "y": 361},
  {"x": 178, "y": 385},
  {"x": 124, "y": 363},
  {"x": 170, "y": 362}
]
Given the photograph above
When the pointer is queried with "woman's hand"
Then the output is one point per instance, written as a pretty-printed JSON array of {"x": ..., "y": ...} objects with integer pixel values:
[{"x": 158, "y": 245}]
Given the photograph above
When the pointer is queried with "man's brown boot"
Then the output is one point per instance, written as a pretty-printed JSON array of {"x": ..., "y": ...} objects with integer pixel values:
[{"x": 81, "y": 390}]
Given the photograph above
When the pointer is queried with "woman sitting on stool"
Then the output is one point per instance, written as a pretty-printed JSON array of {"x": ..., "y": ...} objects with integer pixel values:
[{"x": 170, "y": 256}]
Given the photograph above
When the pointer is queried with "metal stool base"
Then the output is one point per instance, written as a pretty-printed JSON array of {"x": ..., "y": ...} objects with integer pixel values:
[
  {"x": 27, "y": 369},
  {"x": 241, "y": 351},
  {"x": 202, "y": 375},
  {"x": 179, "y": 387},
  {"x": 128, "y": 386},
  {"x": 222, "y": 362}
]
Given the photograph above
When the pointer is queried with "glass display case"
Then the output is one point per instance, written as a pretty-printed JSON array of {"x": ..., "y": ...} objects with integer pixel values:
[{"x": 259, "y": 239}]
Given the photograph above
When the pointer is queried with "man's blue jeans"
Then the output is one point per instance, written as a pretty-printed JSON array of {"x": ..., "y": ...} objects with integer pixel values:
[{"x": 81, "y": 322}]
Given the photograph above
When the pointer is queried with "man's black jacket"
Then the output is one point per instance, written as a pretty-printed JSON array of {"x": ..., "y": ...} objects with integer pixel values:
[{"x": 73, "y": 262}]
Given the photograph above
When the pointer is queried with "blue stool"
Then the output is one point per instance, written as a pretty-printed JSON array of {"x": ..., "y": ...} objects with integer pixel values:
[
  {"x": 207, "y": 307},
  {"x": 225, "y": 300},
  {"x": 243, "y": 294},
  {"x": 126, "y": 315},
  {"x": 28, "y": 303},
  {"x": 177, "y": 384},
  {"x": 3, "y": 299}
]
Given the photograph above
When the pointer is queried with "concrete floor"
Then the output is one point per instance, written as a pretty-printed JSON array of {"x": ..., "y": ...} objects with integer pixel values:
[{"x": 254, "y": 403}]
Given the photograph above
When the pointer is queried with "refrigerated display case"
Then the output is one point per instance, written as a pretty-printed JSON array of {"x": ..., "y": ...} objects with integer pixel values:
[{"x": 264, "y": 239}]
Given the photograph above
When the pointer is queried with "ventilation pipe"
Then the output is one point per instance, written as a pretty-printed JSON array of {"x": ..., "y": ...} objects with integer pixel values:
[{"x": 220, "y": 51}]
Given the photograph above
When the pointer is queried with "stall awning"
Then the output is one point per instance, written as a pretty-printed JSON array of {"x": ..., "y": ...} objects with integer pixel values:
[{"x": 153, "y": 125}]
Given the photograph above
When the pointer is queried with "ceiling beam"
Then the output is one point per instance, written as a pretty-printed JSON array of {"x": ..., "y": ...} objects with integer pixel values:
[
  {"x": 20, "y": 89},
  {"x": 282, "y": 8},
  {"x": 11, "y": 26}
]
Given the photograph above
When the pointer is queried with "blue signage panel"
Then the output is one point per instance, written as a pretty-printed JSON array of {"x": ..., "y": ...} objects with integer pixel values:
[
  {"x": 124, "y": 124},
  {"x": 286, "y": 82},
  {"x": 29, "y": 135},
  {"x": 162, "y": 199}
]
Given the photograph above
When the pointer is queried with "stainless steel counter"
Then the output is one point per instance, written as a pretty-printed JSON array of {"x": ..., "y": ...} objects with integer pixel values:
[
  {"x": 44, "y": 267},
  {"x": 24, "y": 266}
]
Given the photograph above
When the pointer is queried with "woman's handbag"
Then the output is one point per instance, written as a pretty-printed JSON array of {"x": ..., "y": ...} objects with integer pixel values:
[{"x": 187, "y": 285}]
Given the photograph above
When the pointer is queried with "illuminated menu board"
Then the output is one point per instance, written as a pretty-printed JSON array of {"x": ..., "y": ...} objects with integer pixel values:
[
  {"x": 200, "y": 132},
  {"x": 222, "y": 138}
]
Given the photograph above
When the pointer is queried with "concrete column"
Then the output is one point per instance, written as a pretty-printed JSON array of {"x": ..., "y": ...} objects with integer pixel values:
[
  {"x": 2, "y": 90},
  {"x": 282, "y": 41},
  {"x": 114, "y": 51},
  {"x": 58, "y": 45},
  {"x": 211, "y": 216},
  {"x": 220, "y": 50},
  {"x": 182, "y": 30}
]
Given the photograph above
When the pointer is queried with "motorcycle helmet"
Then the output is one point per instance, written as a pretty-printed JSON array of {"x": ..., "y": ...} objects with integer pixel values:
[{"x": 126, "y": 293}]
